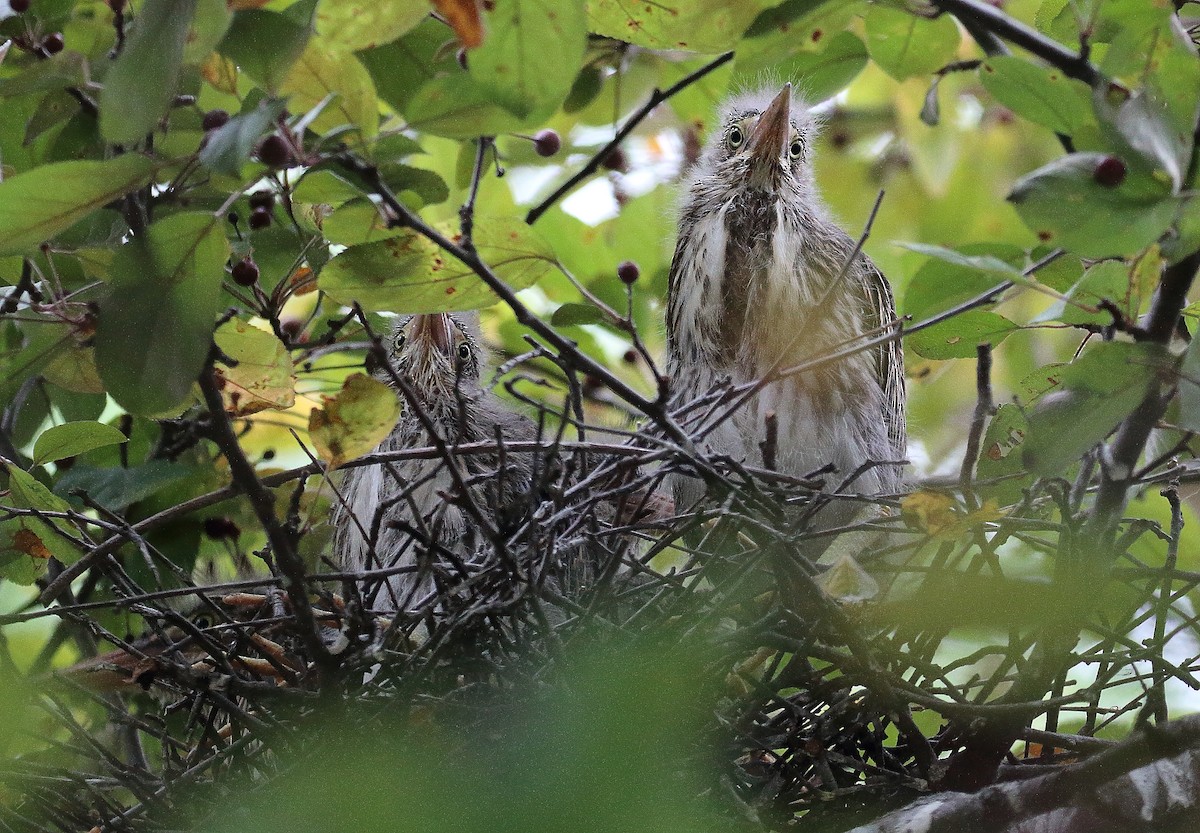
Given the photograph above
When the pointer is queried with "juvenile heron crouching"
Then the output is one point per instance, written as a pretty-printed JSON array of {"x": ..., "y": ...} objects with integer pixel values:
[
  {"x": 763, "y": 278},
  {"x": 400, "y": 514}
]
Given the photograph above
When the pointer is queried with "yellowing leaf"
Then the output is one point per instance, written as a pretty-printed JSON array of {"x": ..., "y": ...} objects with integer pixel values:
[
  {"x": 410, "y": 274},
  {"x": 847, "y": 581},
  {"x": 350, "y": 26},
  {"x": 263, "y": 378},
  {"x": 220, "y": 73},
  {"x": 463, "y": 17},
  {"x": 937, "y": 514},
  {"x": 321, "y": 72},
  {"x": 355, "y": 421}
]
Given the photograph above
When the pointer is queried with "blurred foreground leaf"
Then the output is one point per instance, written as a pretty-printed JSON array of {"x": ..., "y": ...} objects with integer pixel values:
[{"x": 355, "y": 421}]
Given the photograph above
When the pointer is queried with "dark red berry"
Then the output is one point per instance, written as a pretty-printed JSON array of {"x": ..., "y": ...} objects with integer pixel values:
[
  {"x": 221, "y": 528},
  {"x": 631, "y": 356},
  {"x": 616, "y": 161},
  {"x": 214, "y": 119},
  {"x": 245, "y": 272},
  {"x": 591, "y": 383},
  {"x": 19, "y": 6},
  {"x": 260, "y": 218},
  {"x": 547, "y": 142},
  {"x": 1110, "y": 172},
  {"x": 628, "y": 272},
  {"x": 53, "y": 43},
  {"x": 262, "y": 199},
  {"x": 293, "y": 328},
  {"x": 274, "y": 152}
]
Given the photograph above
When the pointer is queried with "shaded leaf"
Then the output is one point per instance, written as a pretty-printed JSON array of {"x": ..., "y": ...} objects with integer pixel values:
[
  {"x": 156, "y": 325},
  {"x": 1098, "y": 390},
  {"x": 263, "y": 377},
  {"x": 408, "y": 273},
  {"x": 1108, "y": 280},
  {"x": 574, "y": 315},
  {"x": 38, "y": 204},
  {"x": 138, "y": 90},
  {"x": 117, "y": 488},
  {"x": 229, "y": 146},
  {"x": 352, "y": 423},
  {"x": 265, "y": 44},
  {"x": 73, "y": 438}
]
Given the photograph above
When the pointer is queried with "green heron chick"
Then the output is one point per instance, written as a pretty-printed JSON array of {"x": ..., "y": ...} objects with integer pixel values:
[
  {"x": 398, "y": 514},
  {"x": 764, "y": 278}
]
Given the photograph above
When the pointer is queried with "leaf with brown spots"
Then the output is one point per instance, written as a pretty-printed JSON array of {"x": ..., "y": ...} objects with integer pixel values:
[{"x": 355, "y": 421}]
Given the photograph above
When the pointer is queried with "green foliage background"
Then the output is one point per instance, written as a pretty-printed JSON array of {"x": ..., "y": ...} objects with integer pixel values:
[{"x": 115, "y": 204}]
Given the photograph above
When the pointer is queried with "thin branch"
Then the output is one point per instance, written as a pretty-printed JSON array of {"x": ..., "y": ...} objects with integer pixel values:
[{"x": 656, "y": 98}]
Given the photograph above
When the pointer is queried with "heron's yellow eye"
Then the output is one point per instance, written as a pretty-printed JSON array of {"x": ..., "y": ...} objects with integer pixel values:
[
  {"x": 795, "y": 148},
  {"x": 398, "y": 342},
  {"x": 464, "y": 351},
  {"x": 734, "y": 138}
]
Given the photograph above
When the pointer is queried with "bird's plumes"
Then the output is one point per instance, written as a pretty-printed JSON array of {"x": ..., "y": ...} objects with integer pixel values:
[
  {"x": 434, "y": 518},
  {"x": 763, "y": 278}
]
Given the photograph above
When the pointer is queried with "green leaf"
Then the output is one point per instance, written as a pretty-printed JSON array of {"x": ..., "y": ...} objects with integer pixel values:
[
  {"x": 574, "y": 315},
  {"x": 265, "y": 44},
  {"x": 401, "y": 68},
  {"x": 531, "y": 54},
  {"x": 1096, "y": 392},
  {"x": 155, "y": 327},
  {"x": 66, "y": 69},
  {"x": 320, "y": 72},
  {"x": 1064, "y": 205},
  {"x": 410, "y": 274},
  {"x": 117, "y": 488},
  {"x": 456, "y": 107},
  {"x": 1043, "y": 95},
  {"x": 1106, "y": 280},
  {"x": 905, "y": 45},
  {"x": 1140, "y": 128},
  {"x": 140, "y": 87},
  {"x": 1000, "y": 457},
  {"x": 73, "y": 438},
  {"x": 28, "y": 542},
  {"x": 229, "y": 146},
  {"x": 818, "y": 75},
  {"x": 357, "y": 222},
  {"x": 1189, "y": 388},
  {"x": 38, "y": 204},
  {"x": 354, "y": 26},
  {"x": 209, "y": 25},
  {"x": 952, "y": 277},
  {"x": 958, "y": 337},
  {"x": 696, "y": 26}
]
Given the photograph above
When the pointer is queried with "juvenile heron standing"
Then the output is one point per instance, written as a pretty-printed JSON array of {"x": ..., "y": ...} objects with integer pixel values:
[
  {"x": 399, "y": 514},
  {"x": 762, "y": 277}
]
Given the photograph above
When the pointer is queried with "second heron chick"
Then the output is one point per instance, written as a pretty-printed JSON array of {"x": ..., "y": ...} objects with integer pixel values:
[{"x": 420, "y": 515}]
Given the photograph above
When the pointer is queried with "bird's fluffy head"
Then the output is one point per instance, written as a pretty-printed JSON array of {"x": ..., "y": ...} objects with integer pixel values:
[
  {"x": 441, "y": 355},
  {"x": 736, "y": 141}
]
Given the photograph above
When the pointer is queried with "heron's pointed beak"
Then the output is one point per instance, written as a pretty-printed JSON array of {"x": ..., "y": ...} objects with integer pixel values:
[
  {"x": 435, "y": 331},
  {"x": 767, "y": 141}
]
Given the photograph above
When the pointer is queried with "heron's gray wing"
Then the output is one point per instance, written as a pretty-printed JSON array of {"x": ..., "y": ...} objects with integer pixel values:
[{"x": 881, "y": 319}]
